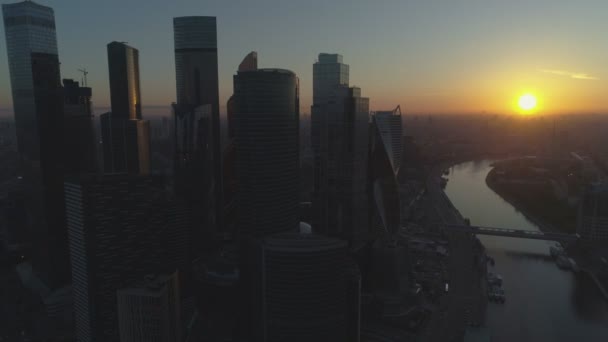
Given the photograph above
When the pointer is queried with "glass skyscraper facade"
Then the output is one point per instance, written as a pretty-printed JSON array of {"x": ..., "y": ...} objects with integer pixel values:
[
  {"x": 196, "y": 70},
  {"x": 339, "y": 140},
  {"x": 390, "y": 126},
  {"x": 328, "y": 73},
  {"x": 125, "y": 94},
  {"x": 29, "y": 28},
  {"x": 266, "y": 118},
  {"x": 38, "y": 108},
  {"x": 126, "y": 137}
]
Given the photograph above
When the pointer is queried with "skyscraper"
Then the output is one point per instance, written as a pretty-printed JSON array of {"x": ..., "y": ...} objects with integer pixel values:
[
  {"x": 383, "y": 165},
  {"x": 29, "y": 28},
  {"x": 328, "y": 73},
  {"x": 196, "y": 70},
  {"x": 390, "y": 127},
  {"x": 230, "y": 182},
  {"x": 126, "y": 137},
  {"x": 121, "y": 228},
  {"x": 81, "y": 151},
  {"x": 266, "y": 115},
  {"x": 149, "y": 310},
  {"x": 194, "y": 173},
  {"x": 125, "y": 95},
  {"x": 304, "y": 289},
  {"x": 339, "y": 138},
  {"x": 38, "y": 107}
]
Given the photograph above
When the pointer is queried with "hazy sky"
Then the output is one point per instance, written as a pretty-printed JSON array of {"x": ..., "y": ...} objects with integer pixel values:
[{"x": 429, "y": 56}]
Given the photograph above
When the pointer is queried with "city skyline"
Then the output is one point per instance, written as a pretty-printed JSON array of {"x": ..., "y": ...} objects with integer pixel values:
[{"x": 424, "y": 56}]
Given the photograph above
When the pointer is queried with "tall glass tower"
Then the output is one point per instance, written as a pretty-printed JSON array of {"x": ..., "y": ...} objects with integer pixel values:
[
  {"x": 266, "y": 118},
  {"x": 339, "y": 139},
  {"x": 196, "y": 70},
  {"x": 29, "y": 28},
  {"x": 38, "y": 108},
  {"x": 125, "y": 95},
  {"x": 126, "y": 137}
]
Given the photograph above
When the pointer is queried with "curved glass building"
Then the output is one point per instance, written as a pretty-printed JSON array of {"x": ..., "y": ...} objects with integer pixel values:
[
  {"x": 266, "y": 120},
  {"x": 391, "y": 131},
  {"x": 305, "y": 288},
  {"x": 385, "y": 156}
]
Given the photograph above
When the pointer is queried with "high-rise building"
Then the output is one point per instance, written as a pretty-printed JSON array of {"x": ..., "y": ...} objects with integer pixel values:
[
  {"x": 81, "y": 151},
  {"x": 249, "y": 63},
  {"x": 305, "y": 289},
  {"x": 194, "y": 172},
  {"x": 230, "y": 182},
  {"x": 339, "y": 139},
  {"x": 29, "y": 28},
  {"x": 126, "y": 137},
  {"x": 266, "y": 114},
  {"x": 593, "y": 214},
  {"x": 390, "y": 127},
  {"x": 149, "y": 310},
  {"x": 125, "y": 95},
  {"x": 328, "y": 73},
  {"x": 383, "y": 166},
  {"x": 196, "y": 70},
  {"x": 31, "y": 44},
  {"x": 121, "y": 228}
]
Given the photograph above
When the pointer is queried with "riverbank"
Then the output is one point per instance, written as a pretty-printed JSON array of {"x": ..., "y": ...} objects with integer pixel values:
[{"x": 543, "y": 225}]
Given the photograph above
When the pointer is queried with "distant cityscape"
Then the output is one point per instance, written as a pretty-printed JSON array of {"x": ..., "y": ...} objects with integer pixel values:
[{"x": 271, "y": 224}]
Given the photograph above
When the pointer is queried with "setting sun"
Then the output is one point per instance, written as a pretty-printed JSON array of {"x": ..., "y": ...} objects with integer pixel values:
[{"x": 527, "y": 102}]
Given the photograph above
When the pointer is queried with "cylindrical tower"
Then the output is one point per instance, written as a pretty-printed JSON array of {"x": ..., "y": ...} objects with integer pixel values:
[{"x": 267, "y": 165}]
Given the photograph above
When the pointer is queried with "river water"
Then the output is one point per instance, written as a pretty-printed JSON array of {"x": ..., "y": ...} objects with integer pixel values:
[{"x": 544, "y": 303}]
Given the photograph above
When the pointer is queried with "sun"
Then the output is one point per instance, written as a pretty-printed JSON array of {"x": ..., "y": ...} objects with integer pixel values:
[{"x": 527, "y": 102}]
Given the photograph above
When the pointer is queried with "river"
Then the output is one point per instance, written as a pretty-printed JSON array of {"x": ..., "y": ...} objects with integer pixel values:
[{"x": 543, "y": 302}]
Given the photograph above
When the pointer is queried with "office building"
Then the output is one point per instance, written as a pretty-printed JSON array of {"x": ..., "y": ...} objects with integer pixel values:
[
  {"x": 125, "y": 94},
  {"x": 81, "y": 151},
  {"x": 390, "y": 128},
  {"x": 194, "y": 173},
  {"x": 329, "y": 73},
  {"x": 31, "y": 45},
  {"x": 149, "y": 310},
  {"x": 121, "y": 228},
  {"x": 339, "y": 139},
  {"x": 249, "y": 63},
  {"x": 196, "y": 71},
  {"x": 230, "y": 182},
  {"x": 384, "y": 192},
  {"x": 305, "y": 289},
  {"x": 125, "y": 136},
  {"x": 266, "y": 115},
  {"x": 593, "y": 214}
]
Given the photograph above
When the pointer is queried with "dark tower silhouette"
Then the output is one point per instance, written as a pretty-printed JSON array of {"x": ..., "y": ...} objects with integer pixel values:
[
  {"x": 31, "y": 44},
  {"x": 123, "y": 64},
  {"x": 80, "y": 149},
  {"x": 196, "y": 69},
  {"x": 305, "y": 288},
  {"x": 339, "y": 139},
  {"x": 266, "y": 115},
  {"x": 121, "y": 228},
  {"x": 126, "y": 137}
]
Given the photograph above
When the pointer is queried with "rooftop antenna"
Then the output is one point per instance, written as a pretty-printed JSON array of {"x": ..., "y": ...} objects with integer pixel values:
[{"x": 84, "y": 76}]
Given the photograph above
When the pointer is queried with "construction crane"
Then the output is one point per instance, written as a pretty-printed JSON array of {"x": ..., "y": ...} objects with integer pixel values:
[{"x": 84, "y": 76}]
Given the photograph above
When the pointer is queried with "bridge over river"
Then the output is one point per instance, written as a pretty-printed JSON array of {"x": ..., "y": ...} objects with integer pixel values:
[{"x": 515, "y": 233}]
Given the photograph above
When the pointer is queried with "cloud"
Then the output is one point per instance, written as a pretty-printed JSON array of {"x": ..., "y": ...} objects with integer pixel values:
[{"x": 575, "y": 75}]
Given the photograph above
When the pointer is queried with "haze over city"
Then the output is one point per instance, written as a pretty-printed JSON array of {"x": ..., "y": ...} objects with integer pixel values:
[
  {"x": 430, "y": 56},
  {"x": 304, "y": 171}
]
